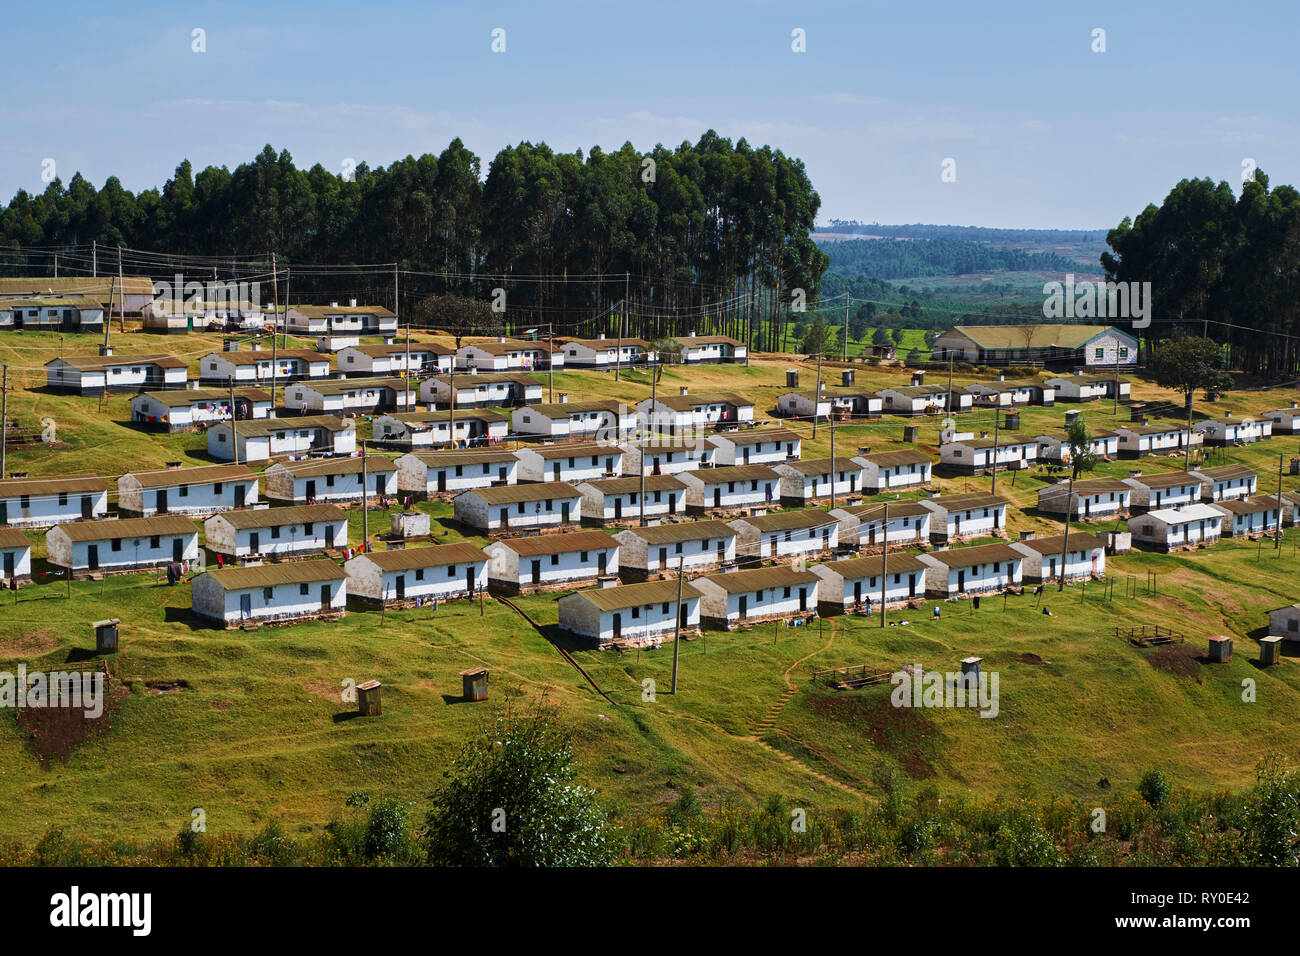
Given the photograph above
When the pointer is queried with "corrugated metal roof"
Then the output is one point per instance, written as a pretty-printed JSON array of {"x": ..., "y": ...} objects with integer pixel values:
[
  {"x": 510, "y": 494},
  {"x": 559, "y": 543},
  {"x": 875, "y": 510},
  {"x": 86, "y": 363},
  {"x": 1226, "y": 472},
  {"x": 789, "y": 520},
  {"x": 557, "y": 410},
  {"x": 127, "y": 528},
  {"x": 1156, "y": 429},
  {"x": 260, "y": 427},
  {"x": 338, "y": 386},
  {"x": 684, "y": 531},
  {"x": 1079, "y": 541},
  {"x": 739, "y": 582},
  {"x": 189, "y": 476},
  {"x": 757, "y": 436},
  {"x": 965, "y": 502},
  {"x": 979, "y": 554},
  {"x": 1054, "y": 336},
  {"x": 335, "y": 466},
  {"x": 179, "y": 397},
  {"x": 892, "y": 459},
  {"x": 13, "y": 538},
  {"x": 1249, "y": 506},
  {"x": 444, "y": 459},
  {"x": 436, "y": 556},
  {"x": 636, "y": 595},
  {"x": 469, "y": 379},
  {"x": 869, "y": 566},
  {"x": 627, "y": 486},
  {"x": 822, "y": 466},
  {"x": 254, "y": 356},
  {"x": 271, "y": 517},
  {"x": 1089, "y": 486},
  {"x": 13, "y": 487},
  {"x": 1002, "y": 441},
  {"x": 1171, "y": 479},
  {"x": 577, "y": 449},
  {"x": 713, "y": 476},
  {"x": 1196, "y": 512},
  {"x": 100, "y": 288},
  {"x": 269, "y": 575},
  {"x": 462, "y": 415},
  {"x": 681, "y": 403}
]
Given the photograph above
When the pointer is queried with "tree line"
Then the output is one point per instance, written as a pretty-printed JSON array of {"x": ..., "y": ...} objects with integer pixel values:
[
  {"x": 1220, "y": 266},
  {"x": 712, "y": 236}
]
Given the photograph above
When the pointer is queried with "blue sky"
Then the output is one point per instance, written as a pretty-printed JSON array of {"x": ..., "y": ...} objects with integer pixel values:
[{"x": 1045, "y": 133}]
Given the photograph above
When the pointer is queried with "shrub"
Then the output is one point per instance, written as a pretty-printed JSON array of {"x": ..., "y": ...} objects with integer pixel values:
[{"x": 1154, "y": 787}]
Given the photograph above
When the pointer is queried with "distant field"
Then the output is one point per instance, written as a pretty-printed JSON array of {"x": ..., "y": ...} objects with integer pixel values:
[{"x": 258, "y": 729}]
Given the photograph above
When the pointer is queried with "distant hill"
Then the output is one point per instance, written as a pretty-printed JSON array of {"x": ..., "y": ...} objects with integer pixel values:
[
  {"x": 923, "y": 258},
  {"x": 1082, "y": 247}
]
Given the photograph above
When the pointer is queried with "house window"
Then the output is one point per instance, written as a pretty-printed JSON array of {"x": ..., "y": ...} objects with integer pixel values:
[
  {"x": 521, "y": 507},
  {"x": 1123, "y": 351},
  {"x": 184, "y": 491},
  {"x": 758, "y": 596},
  {"x": 786, "y": 593},
  {"x": 117, "y": 544},
  {"x": 304, "y": 590},
  {"x": 216, "y": 488},
  {"x": 63, "y": 498},
  {"x": 1099, "y": 353},
  {"x": 665, "y": 609},
  {"x": 153, "y": 542},
  {"x": 24, "y": 501},
  {"x": 306, "y": 528},
  {"x": 636, "y": 612},
  {"x": 582, "y": 556},
  {"x": 275, "y": 531},
  {"x": 555, "y": 559},
  {"x": 268, "y": 593}
]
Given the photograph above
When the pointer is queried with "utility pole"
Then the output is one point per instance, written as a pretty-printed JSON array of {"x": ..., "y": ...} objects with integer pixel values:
[
  {"x": 1187, "y": 455},
  {"x": 1115, "y": 410},
  {"x": 365, "y": 500},
  {"x": 94, "y": 258},
  {"x": 284, "y": 327},
  {"x": 950, "y": 383},
  {"x": 550, "y": 363},
  {"x": 108, "y": 319},
  {"x": 830, "y": 423},
  {"x": 997, "y": 419},
  {"x": 121, "y": 299},
  {"x": 817, "y": 394},
  {"x": 4, "y": 425},
  {"x": 234, "y": 427},
  {"x": 618, "y": 346},
  {"x": 451, "y": 420},
  {"x": 847, "y": 300},
  {"x": 884, "y": 564},
  {"x": 677, "y": 633},
  {"x": 1277, "y": 538},
  {"x": 275, "y": 294},
  {"x": 1069, "y": 507}
]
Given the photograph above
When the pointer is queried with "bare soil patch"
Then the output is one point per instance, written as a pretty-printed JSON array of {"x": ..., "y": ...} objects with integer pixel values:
[
  {"x": 36, "y": 644},
  {"x": 904, "y": 732},
  {"x": 1180, "y": 660},
  {"x": 54, "y": 732}
]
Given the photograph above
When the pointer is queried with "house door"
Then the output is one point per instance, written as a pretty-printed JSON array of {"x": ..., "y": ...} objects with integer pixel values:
[
  {"x": 803, "y": 599},
  {"x": 92, "y": 556},
  {"x": 618, "y": 508},
  {"x": 442, "y": 480},
  {"x": 682, "y": 616},
  {"x": 1051, "y": 568},
  {"x": 722, "y": 552},
  {"x": 85, "y": 506},
  {"x": 602, "y": 563},
  {"x": 564, "y": 513},
  {"x": 744, "y": 606},
  {"x": 871, "y": 534},
  {"x": 746, "y": 456},
  {"x": 178, "y": 549},
  {"x": 656, "y": 467},
  {"x": 471, "y": 584},
  {"x": 618, "y": 625},
  {"x": 4, "y": 512},
  {"x": 995, "y": 519},
  {"x": 245, "y": 606},
  {"x": 956, "y": 524},
  {"x": 672, "y": 503},
  {"x": 555, "y": 471},
  {"x": 609, "y": 464},
  {"x": 857, "y": 592},
  {"x": 537, "y": 572},
  {"x": 911, "y": 585},
  {"x": 9, "y": 564},
  {"x": 717, "y": 497},
  {"x": 663, "y": 557},
  {"x": 162, "y": 501},
  {"x": 961, "y": 580},
  {"x": 254, "y": 543},
  {"x": 505, "y": 517},
  {"x": 401, "y": 587},
  {"x": 241, "y": 495},
  {"x": 324, "y": 597},
  {"x": 311, "y": 490}
]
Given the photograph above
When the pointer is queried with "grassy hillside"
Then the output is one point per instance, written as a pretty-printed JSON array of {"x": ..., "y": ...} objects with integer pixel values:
[{"x": 258, "y": 729}]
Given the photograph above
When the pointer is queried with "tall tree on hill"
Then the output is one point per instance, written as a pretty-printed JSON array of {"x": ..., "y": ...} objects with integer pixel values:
[{"x": 1185, "y": 364}]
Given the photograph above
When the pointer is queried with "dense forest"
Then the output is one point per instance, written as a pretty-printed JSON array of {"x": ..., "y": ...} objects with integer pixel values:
[
  {"x": 916, "y": 258},
  {"x": 920, "y": 230},
  {"x": 1220, "y": 265},
  {"x": 711, "y": 236}
]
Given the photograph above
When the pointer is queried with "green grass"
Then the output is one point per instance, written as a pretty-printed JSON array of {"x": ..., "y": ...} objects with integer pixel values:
[{"x": 255, "y": 734}]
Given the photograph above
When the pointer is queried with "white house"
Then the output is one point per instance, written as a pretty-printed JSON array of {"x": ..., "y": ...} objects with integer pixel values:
[
  {"x": 537, "y": 562},
  {"x": 686, "y": 413},
  {"x": 259, "y": 365},
  {"x": 298, "y": 590},
  {"x": 415, "y": 575},
  {"x": 979, "y": 570},
  {"x": 970, "y": 515},
  {"x": 631, "y": 615},
  {"x": 570, "y": 461},
  {"x": 276, "y": 532},
  {"x": 55, "y": 313},
  {"x": 95, "y": 374},
  {"x": 429, "y": 473},
  {"x": 786, "y": 534},
  {"x": 334, "y": 319},
  {"x": 758, "y": 446},
  {"x": 1005, "y": 394},
  {"x": 731, "y": 487},
  {"x": 1088, "y": 386},
  {"x": 852, "y": 584},
  {"x": 1247, "y": 517},
  {"x": 41, "y": 502},
  {"x": 122, "y": 544},
  {"x": 667, "y": 456},
  {"x": 1167, "y": 529},
  {"x": 350, "y": 396},
  {"x": 599, "y": 418},
  {"x": 606, "y": 353},
  {"x": 417, "y": 430},
  {"x": 426, "y": 358},
  {"x": 182, "y": 409},
  {"x": 864, "y": 525},
  {"x": 133, "y": 292},
  {"x": 499, "y": 390},
  {"x": 197, "y": 491},
  {"x": 1285, "y": 421},
  {"x": 330, "y": 479},
  {"x": 695, "y": 349},
  {"x": 895, "y": 470},
  {"x": 543, "y": 506},
  {"x": 506, "y": 355},
  {"x": 1138, "y": 440},
  {"x": 812, "y": 479},
  {"x": 1055, "y": 446},
  {"x": 663, "y": 548},
  {"x": 1225, "y": 481},
  {"x": 266, "y": 438},
  {"x": 979, "y": 455},
  {"x": 1057, "y": 343},
  {"x": 762, "y": 594},
  {"x": 1043, "y": 556},
  {"x": 1230, "y": 431},
  {"x": 1164, "y": 490},
  {"x": 627, "y": 499},
  {"x": 1094, "y": 498},
  {"x": 839, "y": 403},
  {"x": 15, "y": 557}
]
